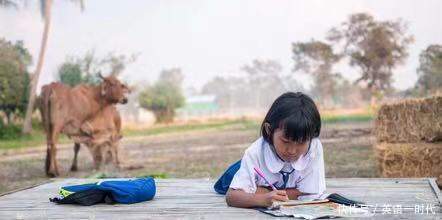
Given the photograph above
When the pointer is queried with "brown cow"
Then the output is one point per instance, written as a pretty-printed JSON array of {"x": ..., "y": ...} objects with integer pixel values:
[
  {"x": 65, "y": 109},
  {"x": 101, "y": 135}
]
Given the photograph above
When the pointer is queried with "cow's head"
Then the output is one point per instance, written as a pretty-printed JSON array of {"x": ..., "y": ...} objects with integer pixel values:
[{"x": 113, "y": 90}]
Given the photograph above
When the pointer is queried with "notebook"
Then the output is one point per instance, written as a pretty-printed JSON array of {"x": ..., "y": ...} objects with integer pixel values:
[
  {"x": 328, "y": 206},
  {"x": 333, "y": 197}
]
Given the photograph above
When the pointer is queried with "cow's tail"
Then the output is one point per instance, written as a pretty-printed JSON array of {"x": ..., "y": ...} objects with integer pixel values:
[{"x": 45, "y": 107}]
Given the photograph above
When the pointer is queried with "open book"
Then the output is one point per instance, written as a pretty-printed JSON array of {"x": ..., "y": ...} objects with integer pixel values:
[
  {"x": 334, "y": 197},
  {"x": 330, "y": 206}
]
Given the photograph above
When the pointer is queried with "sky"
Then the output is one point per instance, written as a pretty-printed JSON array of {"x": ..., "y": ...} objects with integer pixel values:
[{"x": 208, "y": 38}]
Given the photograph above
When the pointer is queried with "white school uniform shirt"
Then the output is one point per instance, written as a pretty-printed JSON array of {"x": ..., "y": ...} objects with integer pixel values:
[{"x": 308, "y": 175}]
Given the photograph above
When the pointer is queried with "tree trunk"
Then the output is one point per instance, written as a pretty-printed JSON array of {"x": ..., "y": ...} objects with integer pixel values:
[
  {"x": 27, "y": 124},
  {"x": 373, "y": 99},
  {"x": 164, "y": 115},
  {"x": 8, "y": 118}
]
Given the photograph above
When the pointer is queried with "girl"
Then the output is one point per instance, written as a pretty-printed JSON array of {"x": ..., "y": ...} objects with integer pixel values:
[{"x": 289, "y": 154}]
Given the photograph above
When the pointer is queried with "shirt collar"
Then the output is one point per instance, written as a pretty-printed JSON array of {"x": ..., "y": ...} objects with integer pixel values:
[{"x": 275, "y": 164}]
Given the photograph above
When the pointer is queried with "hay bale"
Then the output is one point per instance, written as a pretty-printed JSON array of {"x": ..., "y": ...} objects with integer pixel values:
[
  {"x": 411, "y": 120},
  {"x": 410, "y": 160}
]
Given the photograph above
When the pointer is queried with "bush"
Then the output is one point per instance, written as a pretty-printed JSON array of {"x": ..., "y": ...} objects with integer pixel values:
[
  {"x": 162, "y": 98},
  {"x": 9, "y": 132},
  {"x": 14, "y": 79}
]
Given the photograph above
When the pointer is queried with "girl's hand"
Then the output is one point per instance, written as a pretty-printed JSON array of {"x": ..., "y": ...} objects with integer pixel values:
[
  {"x": 262, "y": 190},
  {"x": 275, "y": 195}
]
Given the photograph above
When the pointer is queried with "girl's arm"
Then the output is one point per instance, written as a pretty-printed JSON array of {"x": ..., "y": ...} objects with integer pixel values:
[
  {"x": 239, "y": 198},
  {"x": 292, "y": 193}
]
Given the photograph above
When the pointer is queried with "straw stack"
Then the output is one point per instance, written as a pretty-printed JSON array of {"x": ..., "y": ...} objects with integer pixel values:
[
  {"x": 409, "y": 138},
  {"x": 412, "y": 120}
]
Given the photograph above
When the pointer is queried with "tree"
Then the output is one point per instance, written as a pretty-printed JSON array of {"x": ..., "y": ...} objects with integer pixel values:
[
  {"x": 164, "y": 96},
  {"x": 348, "y": 94},
  {"x": 173, "y": 76},
  {"x": 262, "y": 83},
  {"x": 265, "y": 77},
  {"x": 229, "y": 91},
  {"x": 14, "y": 78},
  {"x": 430, "y": 70},
  {"x": 76, "y": 70},
  {"x": 116, "y": 64},
  {"x": 317, "y": 58},
  {"x": 375, "y": 47},
  {"x": 70, "y": 74},
  {"x": 45, "y": 11}
]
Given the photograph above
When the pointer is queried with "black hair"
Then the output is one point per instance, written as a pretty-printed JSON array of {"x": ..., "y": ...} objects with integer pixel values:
[{"x": 295, "y": 113}]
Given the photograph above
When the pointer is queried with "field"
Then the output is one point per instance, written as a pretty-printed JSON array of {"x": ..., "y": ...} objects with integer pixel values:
[{"x": 191, "y": 151}]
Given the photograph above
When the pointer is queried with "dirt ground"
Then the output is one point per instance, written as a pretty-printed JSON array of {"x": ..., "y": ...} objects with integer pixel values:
[{"x": 196, "y": 154}]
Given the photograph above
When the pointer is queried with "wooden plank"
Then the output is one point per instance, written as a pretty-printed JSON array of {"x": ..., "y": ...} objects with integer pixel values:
[
  {"x": 24, "y": 188},
  {"x": 195, "y": 198},
  {"x": 435, "y": 189}
]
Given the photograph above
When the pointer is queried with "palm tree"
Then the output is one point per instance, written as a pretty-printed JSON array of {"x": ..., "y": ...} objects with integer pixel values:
[
  {"x": 46, "y": 13},
  {"x": 45, "y": 9}
]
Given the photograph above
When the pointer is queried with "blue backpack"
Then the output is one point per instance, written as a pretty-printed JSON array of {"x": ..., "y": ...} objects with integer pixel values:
[
  {"x": 110, "y": 191},
  {"x": 222, "y": 185}
]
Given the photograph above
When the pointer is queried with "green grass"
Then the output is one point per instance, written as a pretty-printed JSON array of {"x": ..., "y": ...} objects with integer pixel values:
[
  {"x": 218, "y": 125},
  {"x": 37, "y": 137},
  {"x": 347, "y": 118},
  {"x": 154, "y": 175}
]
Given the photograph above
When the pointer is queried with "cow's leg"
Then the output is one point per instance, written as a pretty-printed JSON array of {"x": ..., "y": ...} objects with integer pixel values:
[
  {"x": 108, "y": 155},
  {"x": 53, "y": 165},
  {"x": 98, "y": 157},
  {"x": 48, "y": 168},
  {"x": 74, "y": 162},
  {"x": 115, "y": 155},
  {"x": 48, "y": 159},
  {"x": 51, "y": 160}
]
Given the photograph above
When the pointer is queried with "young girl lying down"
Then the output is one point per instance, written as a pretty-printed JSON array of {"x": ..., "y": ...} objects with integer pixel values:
[{"x": 289, "y": 155}]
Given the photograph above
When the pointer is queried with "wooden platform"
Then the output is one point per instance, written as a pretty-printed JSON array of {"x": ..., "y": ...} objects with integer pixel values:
[{"x": 195, "y": 199}]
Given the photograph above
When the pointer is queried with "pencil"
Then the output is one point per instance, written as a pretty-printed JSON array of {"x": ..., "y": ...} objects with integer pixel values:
[{"x": 261, "y": 174}]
